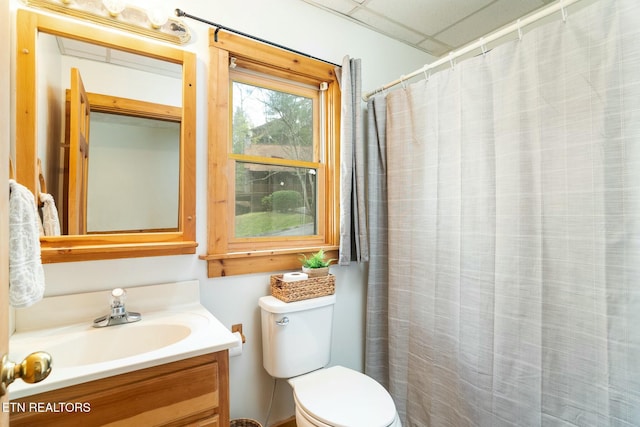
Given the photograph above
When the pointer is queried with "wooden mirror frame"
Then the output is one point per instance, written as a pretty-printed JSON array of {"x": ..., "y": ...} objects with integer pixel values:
[{"x": 103, "y": 246}]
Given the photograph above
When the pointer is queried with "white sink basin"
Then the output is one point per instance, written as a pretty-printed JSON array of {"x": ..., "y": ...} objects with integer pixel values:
[
  {"x": 114, "y": 342},
  {"x": 82, "y": 353},
  {"x": 96, "y": 345}
]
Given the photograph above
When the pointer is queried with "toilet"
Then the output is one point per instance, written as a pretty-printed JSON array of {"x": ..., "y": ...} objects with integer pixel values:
[{"x": 296, "y": 345}]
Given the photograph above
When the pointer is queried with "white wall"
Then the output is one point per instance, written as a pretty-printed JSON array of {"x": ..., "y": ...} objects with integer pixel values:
[
  {"x": 233, "y": 300},
  {"x": 50, "y": 113}
]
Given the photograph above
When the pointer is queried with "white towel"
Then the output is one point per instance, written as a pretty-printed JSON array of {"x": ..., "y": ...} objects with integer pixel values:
[
  {"x": 26, "y": 275},
  {"x": 50, "y": 219}
]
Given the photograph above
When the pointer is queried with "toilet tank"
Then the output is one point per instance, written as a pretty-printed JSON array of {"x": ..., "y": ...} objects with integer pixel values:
[{"x": 296, "y": 336}]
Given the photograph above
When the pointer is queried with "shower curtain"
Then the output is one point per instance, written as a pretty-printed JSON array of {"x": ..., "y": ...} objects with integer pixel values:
[{"x": 504, "y": 217}]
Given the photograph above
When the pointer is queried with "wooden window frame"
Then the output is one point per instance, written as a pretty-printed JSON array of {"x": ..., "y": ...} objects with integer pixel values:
[{"x": 227, "y": 255}]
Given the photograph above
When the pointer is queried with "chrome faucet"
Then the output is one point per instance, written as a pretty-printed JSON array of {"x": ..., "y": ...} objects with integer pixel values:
[{"x": 119, "y": 315}]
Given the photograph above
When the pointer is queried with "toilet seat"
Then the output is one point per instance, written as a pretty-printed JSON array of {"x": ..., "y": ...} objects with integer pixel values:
[{"x": 342, "y": 397}]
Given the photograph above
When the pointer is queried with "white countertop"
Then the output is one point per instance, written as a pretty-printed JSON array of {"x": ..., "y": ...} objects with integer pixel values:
[{"x": 170, "y": 330}]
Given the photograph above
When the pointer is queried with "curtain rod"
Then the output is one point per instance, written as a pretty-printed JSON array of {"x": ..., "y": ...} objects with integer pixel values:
[
  {"x": 560, "y": 5},
  {"x": 181, "y": 13}
]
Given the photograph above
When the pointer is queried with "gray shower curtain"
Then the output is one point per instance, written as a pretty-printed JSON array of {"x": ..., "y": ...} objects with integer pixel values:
[
  {"x": 507, "y": 287},
  {"x": 353, "y": 229},
  {"x": 377, "y": 331}
]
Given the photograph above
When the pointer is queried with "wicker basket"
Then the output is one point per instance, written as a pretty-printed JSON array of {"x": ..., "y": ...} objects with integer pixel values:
[
  {"x": 302, "y": 289},
  {"x": 244, "y": 422}
]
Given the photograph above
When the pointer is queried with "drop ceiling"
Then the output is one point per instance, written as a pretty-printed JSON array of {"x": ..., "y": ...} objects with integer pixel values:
[
  {"x": 434, "y": 26},
  {"x": 81, "y": 49}
]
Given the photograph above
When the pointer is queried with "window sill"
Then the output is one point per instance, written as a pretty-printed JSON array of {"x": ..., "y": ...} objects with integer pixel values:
[{"x": 232, "y": 264}]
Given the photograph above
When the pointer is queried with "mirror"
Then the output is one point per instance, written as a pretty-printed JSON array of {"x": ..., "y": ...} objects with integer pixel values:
[
  {"x": 122, "y": 171},
  {"x": 147, "y": 152},
  {"x": 139, "y": 140}
]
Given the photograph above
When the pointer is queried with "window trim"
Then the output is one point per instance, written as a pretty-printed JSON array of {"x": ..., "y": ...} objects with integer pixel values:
[{"x": 225, "y": 254}]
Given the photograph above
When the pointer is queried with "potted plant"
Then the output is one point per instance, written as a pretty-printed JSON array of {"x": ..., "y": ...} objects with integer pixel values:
[{"x": 316, "y": 265}]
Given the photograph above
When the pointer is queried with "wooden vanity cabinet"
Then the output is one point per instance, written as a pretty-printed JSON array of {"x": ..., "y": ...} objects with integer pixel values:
[{"x": 190, "y": 392}]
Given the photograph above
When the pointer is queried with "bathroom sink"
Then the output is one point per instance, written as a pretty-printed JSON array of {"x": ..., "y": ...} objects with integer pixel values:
[
  {"x": 112, "y": 343},
  {"x": 166, "y": 333}
]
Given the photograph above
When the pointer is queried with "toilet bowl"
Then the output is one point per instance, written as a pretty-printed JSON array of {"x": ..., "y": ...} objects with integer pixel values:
[
  {"x": 341, "y": 397},
  {"x": 296, "y": 345}
]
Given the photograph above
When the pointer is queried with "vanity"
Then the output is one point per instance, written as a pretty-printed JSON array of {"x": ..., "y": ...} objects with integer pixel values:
[
  {"x": 132, "y": 196},
  {"x": 193, "y": 391},
  {"x": 170, "y": 368}
]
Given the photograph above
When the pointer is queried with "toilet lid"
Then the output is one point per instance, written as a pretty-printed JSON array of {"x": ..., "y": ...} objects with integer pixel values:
[{"x": 342, "y": 397}]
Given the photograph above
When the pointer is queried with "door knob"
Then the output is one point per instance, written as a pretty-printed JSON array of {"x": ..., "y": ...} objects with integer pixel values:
[{"x": 34, "y": 368}]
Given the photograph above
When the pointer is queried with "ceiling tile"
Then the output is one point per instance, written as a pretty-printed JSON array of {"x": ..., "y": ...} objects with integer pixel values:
[
  {"x": 433, "y": 47},
  {"x": 433, "y": 26},
  {"x": 94, "y": 52},
  {"x": 341, "y": 6},
  {"x": 81, "y": 49},
  {"x": 145, "y": 63},
  {"x": 497, "y": 15},
  {"x": 387, "y": 27},
  {"x": 430, "y": 16}
]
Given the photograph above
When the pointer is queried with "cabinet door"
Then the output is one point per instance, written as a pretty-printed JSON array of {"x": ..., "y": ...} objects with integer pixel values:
[
  {"x": 78, "y": 155},
  {"x": 183, "y": 393},
  {"x": 211, "y": 422}
]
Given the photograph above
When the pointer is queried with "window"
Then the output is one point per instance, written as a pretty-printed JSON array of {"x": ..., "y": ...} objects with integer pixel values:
[
  {"x": 273, "y": 157},
  {"x": 275, "y": 145}
]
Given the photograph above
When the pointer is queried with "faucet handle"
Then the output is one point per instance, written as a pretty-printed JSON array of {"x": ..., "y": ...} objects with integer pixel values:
[
  {"x": 119, "y": 315},
  {"x": 118, "y": 296},
  {"x": 118, "y": 292}
]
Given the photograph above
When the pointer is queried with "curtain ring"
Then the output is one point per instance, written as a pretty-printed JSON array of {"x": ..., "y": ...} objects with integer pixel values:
[
  {"x": 483, "y": 47},
  {"x": 451, "y": 61},
  {"x": 519, "y": 30},
  {"x": 563, "y": 10},
  {"x": 427, "y": 76},
  {"x": 403, "y": 82}
]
